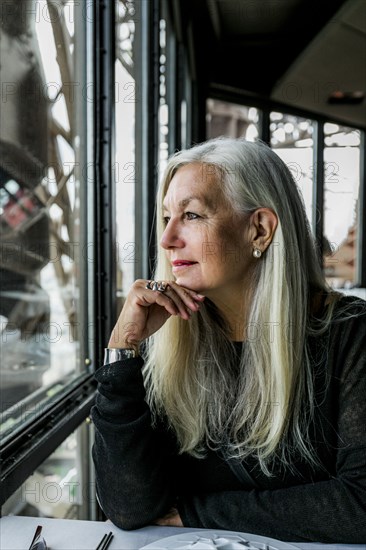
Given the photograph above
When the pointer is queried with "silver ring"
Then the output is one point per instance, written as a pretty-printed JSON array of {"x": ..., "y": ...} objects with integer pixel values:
[{"x": 160, "y": 286}]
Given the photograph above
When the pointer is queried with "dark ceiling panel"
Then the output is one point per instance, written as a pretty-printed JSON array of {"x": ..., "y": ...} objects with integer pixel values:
[
  {"x": 260, "y": 40},
  {"x": 248, "y": 17}
]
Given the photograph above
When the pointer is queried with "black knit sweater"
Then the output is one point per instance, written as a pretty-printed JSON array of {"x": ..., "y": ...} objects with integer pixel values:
[{"x": 140, "y": 474}]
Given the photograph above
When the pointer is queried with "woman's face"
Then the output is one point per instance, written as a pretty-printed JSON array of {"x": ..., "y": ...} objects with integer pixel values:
[{"x": 205, "y": 241}]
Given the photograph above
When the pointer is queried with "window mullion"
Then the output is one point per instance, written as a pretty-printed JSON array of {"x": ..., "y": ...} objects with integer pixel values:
[{"x": 318, "y": 187}]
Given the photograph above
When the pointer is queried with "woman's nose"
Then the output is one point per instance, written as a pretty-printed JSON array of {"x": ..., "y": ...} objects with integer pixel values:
[{"x": 171, "y": 236}]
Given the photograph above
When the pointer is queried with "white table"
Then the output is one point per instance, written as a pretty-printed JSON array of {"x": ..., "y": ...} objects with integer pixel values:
[{"x": 16, "y": 533}]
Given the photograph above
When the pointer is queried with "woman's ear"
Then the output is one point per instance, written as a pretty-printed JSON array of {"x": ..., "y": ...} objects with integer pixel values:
[{"x": 263, "y": 224}]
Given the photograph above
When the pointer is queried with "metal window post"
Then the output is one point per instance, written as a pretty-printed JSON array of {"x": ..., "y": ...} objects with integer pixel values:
[{"x": 105, "y": 214}]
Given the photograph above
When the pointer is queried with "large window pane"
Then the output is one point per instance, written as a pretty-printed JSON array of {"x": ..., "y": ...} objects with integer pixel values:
[
  {"x": 125, "y": 147},
  {"x": 41, "y": 224},
  {"x": 292, "y": 139},
  {"x": 163, "y": 103},
  {"x": 59, "y": 487},
  {"x": 341, "y": 203}
]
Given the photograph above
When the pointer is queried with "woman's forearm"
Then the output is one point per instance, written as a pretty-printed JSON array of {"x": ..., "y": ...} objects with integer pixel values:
[{"x": 132, "y": 460}]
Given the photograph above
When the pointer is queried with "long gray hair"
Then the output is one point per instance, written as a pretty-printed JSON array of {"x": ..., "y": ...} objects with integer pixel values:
[{"x": 255, "y": 404}]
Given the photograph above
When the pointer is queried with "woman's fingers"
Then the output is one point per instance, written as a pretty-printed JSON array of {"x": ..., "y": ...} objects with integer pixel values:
[
  {"x": 167, "y": 302},
  {"x": 177, "y": 300},
  {"x": 184, "y": 299},
  {"x": 146, "y": 310}
]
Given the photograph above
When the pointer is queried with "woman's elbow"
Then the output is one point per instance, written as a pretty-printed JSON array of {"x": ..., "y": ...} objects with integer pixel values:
[
  {"x": 127, "y": 523},
  {"x": 130, "y": 519}
]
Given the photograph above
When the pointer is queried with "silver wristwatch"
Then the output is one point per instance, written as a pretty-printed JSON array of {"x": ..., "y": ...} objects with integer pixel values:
[{"x": 111, "y": 355}]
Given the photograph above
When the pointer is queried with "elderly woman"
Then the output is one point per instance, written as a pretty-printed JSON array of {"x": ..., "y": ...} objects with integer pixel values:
[{"x": 233, "y": 391}]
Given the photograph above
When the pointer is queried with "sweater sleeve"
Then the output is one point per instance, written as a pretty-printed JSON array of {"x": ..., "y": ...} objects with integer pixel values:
[
  {"x": 329, "y": 511},
  {"x": 131, "y": 458}
]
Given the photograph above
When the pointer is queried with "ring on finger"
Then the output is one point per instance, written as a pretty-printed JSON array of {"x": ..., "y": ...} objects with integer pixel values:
[{"x": 160, "y": 286}]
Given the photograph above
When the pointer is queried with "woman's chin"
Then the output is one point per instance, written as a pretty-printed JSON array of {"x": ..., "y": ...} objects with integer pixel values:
[{"x": 188, "y": 282}]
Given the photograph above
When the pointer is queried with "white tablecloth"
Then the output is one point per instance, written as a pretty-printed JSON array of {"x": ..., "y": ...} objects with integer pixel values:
[{"x": 16, "y": 533}]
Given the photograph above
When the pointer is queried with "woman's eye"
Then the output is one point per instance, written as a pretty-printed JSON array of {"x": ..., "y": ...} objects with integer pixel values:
[
  {"x": 166, "y": 220},
  {"x": 192, "y": 215}
]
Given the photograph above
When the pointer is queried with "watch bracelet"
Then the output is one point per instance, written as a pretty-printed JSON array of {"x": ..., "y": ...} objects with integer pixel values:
[{"x": 112, "y": 355}]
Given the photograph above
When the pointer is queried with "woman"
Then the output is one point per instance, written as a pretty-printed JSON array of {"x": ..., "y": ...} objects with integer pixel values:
[{"x": 246, "y": 410}]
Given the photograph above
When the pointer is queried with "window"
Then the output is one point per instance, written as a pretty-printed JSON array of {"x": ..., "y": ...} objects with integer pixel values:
[
  {"x": 338, "y": 206},
  {"x": 41, "y": 210},
  {"x": 332, "y": 200},
  {"x": 46, "y": 260},
  {"x": 163, "y": 100},
  {"x": 341, "y": 204},
  {"x": 125, "y": 164},
  {"x": 231, "y": 120},
  {"x": 292, "y": 139},
  {"x": 59, "y": 487}
]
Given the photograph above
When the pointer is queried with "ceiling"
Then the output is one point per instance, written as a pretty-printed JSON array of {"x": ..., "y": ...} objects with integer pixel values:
[{"x": 297, "y": 52}]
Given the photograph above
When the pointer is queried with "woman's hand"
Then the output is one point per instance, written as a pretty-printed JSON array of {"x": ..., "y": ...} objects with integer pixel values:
[
  {"x": 145, "y": 311},
  {"x": 171, "y": 519}
]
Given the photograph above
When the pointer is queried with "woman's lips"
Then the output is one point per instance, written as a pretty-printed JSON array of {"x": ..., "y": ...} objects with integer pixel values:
[{"x": 177, "y": 266}]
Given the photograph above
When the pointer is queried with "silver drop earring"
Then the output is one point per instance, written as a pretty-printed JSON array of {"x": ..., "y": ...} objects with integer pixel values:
[{"x": 257, "y": 253}]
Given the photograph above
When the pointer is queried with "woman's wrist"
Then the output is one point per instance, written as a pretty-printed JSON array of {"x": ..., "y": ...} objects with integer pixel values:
[{"x": 123, "y": 344}]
